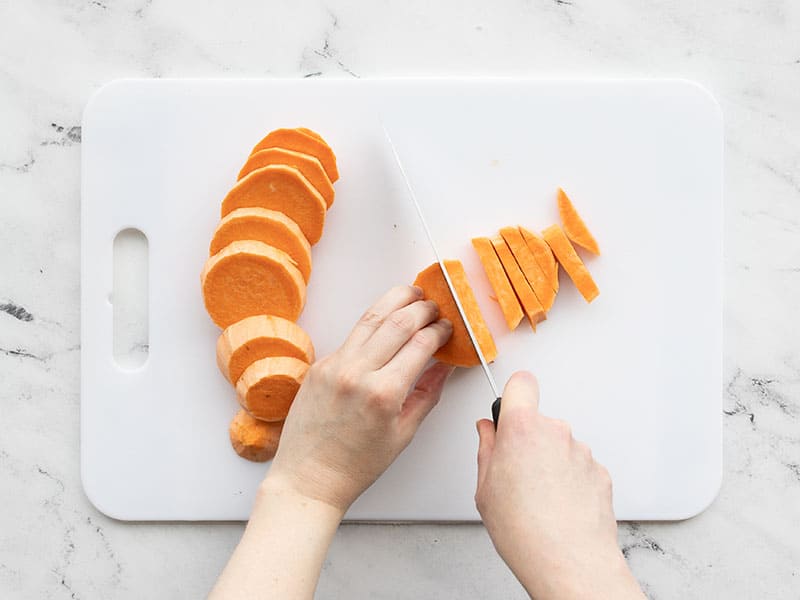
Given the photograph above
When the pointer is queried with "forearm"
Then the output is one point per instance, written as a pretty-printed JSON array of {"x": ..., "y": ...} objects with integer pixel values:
[{"x": 283, "y": 548}]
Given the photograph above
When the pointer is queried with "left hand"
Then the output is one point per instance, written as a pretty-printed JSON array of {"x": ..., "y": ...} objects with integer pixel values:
[{"x": 360, "y": 407}]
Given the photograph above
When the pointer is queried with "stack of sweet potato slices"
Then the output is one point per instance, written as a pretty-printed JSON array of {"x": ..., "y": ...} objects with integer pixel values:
[
  {"x": 254, "y": 281},
  {"x": 522, "y": 267}
]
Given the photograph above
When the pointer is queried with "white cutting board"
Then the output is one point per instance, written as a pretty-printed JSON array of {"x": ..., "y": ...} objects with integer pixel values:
[{"x": 637, "y": 373}]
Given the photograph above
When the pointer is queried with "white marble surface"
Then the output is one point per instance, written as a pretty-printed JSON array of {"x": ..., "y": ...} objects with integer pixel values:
[{"x": 53, "y": 55}]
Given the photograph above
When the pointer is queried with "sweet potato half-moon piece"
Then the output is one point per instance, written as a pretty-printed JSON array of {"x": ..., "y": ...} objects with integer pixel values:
[
  {"x": 249, "y": 278},
  {"x": 503, "y": 292},
  {"x": 574, "y": 227},
  {"x": 267, "y": 388},
  {"x": 543, "y": 255},
  {"x": 308, "y": 165},
  {"x": 542, "y": 287},
  {"x": 458, "y": 350},
  {"x": 530, "y": 304},
  {"x": 572, "y": 263},
  {"x": 281, "y": 188},
  {"x": 257, "y": 337},
  {"x": 253, "y": 439},
  {"x": 263, "y": 225},
  {"x": 307, "y": 142}
]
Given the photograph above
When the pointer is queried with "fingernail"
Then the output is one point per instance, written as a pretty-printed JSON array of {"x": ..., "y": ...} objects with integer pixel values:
[
  {"x": 447, "y": 323},
  {"x": 418, "y": 290}
]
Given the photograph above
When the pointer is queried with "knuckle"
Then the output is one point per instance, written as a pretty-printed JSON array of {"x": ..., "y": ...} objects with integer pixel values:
[
  {"x": 562, "y": 429},
  {"x": 371, "y": 318},
  {"x": 427, "y": 340},
  {"x": 604, "y": 476},
  {"x": 402, "y": 321},
  {"x": 380, "y": 396},
  {"x": 347, "y": 383},
  {"x": 584, "y": 450}
]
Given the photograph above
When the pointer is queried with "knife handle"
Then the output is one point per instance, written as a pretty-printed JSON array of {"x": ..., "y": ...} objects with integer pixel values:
[{"x": 496, "y": 411}]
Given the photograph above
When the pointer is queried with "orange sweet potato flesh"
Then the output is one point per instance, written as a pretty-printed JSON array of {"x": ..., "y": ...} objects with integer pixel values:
[
  {"x": 504, "y": 293},
  {"x": 253, "y": 439},
  {"x": 249, "y": 278},
  {"x": 527, "y": 298},
  {"x": 281, "y": 188},
  {"x": 458, "y": 350},
  {"x": 307, "y": 142},
  {"x": 310, "y": 132},
  {"x": 543, "y": 255},
  {"x": 574, "y": 227},
  {"x": 267, "y": 388},
  {"x": 263, "y": 225},
  {"x": 309, "y": 166},
  {"x": 541, "y": 285},
  {"x": 257, "y": 337},
  {"x": 572, "y": 263}
]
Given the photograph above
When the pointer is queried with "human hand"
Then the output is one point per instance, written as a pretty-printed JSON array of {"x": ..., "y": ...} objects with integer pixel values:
[
  {"x": 546, "y": 503},
  {"x": 356, "y": 409}
]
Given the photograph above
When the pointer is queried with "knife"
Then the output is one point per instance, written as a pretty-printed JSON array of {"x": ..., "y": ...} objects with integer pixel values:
[{"x": 478, "y": 351}]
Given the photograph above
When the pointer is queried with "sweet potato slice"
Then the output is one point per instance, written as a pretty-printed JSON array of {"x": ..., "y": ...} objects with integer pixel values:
[
  {"x": 308, "y": 165},
  {"x": 572, "y": 263},
  {"x": 504, "y": 293},
  {"x": 249, "y": 278},
  {"x": 267, "y": 388},
  {"x": 257, "y": 337},
  {"x": 530, "y": 304},
  {"x": 574, "y": 227},
  {"x": 263, "y": 225},
  {"x": 310, "y": 132},
  {"x": 543, "y": 255},
  {"x": 458, "y": 350},
  {"x": 305, "y": 142},
  {"x": 253, "y": 439},
  {"x": 281, "y": 188},
  {"x": 530, "y": 268}
]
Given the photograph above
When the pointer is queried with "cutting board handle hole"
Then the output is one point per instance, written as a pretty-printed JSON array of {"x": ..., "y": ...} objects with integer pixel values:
[{"x": 130, "y": 299}]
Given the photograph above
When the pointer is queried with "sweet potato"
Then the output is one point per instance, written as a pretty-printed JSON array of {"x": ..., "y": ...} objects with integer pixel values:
[
  {"x": 249, "y": 278},
  {"x": 530, "y": 304},
  {"x": 253, "y": 439},
  {"x": 504, "y": 293},
  {"x": 307, "y": 142},
  {"x": 574, "y": 227},
  {"x": 530, "y": 268},
  {"x": 263, "y": 225},
  {"x": 543, "y": 255},
  {"x": 267, "y": 388},
  {"x": 281, "y": 188},
  {"x": 572, "y": 263},
  {"x": 308, "y": 165},
  {"x": 310, "y": 132},
  {"x": 257, "y": 337},
  {"x": 458, "y": 350}
]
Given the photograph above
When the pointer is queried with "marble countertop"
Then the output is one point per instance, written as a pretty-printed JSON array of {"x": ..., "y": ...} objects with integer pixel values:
[{"x": 54, "y": 544}]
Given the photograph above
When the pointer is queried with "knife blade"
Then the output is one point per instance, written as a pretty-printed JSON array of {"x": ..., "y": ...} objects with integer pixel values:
[{"x": 475, "y": 345}]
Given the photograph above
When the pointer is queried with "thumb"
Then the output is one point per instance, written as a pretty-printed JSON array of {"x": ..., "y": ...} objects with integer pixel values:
[
  {"x": 485, "y": 447},
  {"x": 520, "y": 396}
]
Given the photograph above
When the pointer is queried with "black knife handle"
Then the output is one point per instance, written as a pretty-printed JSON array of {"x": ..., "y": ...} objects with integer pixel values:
[{"x": 496, "y": 411}]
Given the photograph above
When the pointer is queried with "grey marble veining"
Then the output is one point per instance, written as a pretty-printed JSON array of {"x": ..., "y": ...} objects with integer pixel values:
[{"x": 53, "y": 55}]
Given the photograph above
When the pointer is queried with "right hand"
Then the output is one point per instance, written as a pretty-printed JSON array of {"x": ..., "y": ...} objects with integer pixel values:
[{"x": 546, "y": 503}]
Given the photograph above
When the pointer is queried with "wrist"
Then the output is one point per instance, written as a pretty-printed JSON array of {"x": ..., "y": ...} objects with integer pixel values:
[
  {"x": 275, "y": 491},
  {"x": 606, "y": 578}
]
